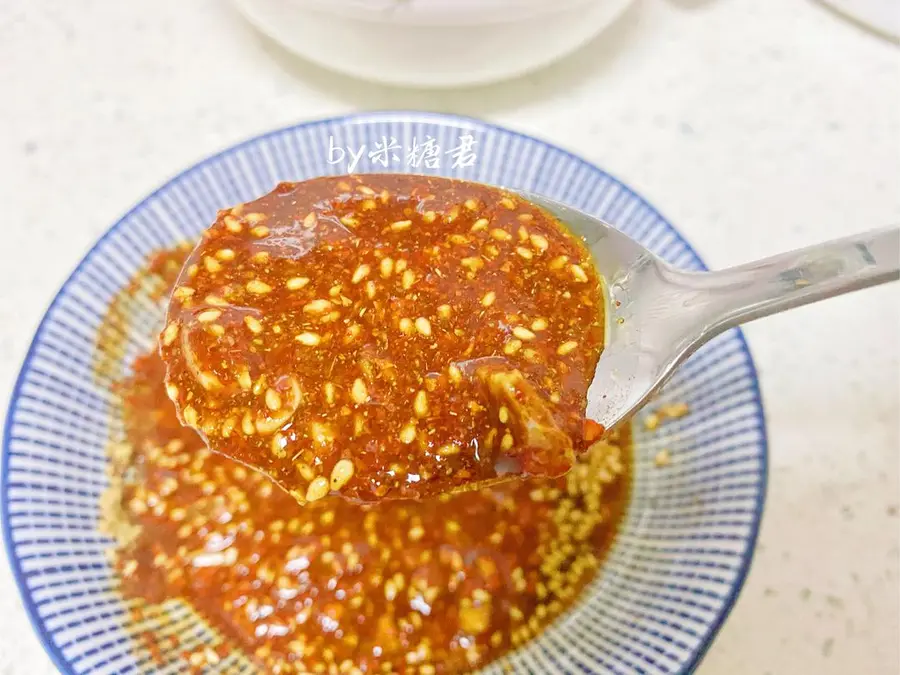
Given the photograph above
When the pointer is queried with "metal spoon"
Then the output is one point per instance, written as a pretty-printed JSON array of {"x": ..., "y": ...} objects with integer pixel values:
[{"x": 659, "y": 315}]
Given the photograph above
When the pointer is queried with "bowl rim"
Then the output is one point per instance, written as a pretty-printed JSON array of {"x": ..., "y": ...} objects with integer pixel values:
[
  {"x": 437, "y": 16},
  {"x": 55, "y": 653}
]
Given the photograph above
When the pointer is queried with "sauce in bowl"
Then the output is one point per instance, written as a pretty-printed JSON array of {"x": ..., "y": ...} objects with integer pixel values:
[{"x": 444, "y": 585}]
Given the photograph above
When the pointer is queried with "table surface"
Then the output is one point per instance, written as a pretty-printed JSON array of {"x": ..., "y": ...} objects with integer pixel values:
[{"x": 754, "y": 126}]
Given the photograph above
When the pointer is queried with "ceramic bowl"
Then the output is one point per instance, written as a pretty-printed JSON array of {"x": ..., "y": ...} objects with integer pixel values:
[
  {"x": 684, "y": 547},
  {"x": 431, "y": 43}
]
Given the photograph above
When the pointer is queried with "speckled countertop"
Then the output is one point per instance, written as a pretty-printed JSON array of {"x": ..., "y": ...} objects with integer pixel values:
[{"x": 755, "y": 126}]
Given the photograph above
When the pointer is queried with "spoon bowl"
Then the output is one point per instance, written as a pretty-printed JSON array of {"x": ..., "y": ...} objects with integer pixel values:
[{"x": 658, "y": 315}]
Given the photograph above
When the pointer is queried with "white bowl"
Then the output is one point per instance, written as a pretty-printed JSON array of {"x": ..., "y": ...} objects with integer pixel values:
[{"x": 432, "y": 43}]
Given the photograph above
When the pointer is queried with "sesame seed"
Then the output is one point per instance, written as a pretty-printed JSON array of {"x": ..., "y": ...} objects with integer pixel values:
[
  {"x": 531, "y": 355},
  {"x": 306, "y": 471},
  {"x": 253, "y": 324},
  {"x": 361, "y": 273},
  {"x": 523, "y": 333},
  {"x": 317, "y": 489},
  {"x": 454, "y": 373},
  {"x": 309, "y": 339},
  {"x": 472, "y": 263},
  {"x": 420, "y": 404},
  {"x": 566, "y": 347},
  {"x": 329, "y": 392},
  {"x": 386, "y": 266},
  {"x": 359, "y": 393},
  {"x": 353, "y": 330},
  {"x": 170, "y": 333},
  {"x": 408, "y": 433},
  {"x": 524, "y": 252},
  {"x": 512, "y": 347},
  {"x": 423, "y": 326},
  {"x": 215, "y": 301},
  {"x": 247, "y": 424},
  {"x": 211, "y": 264},
  {"x": 390, "y": 590},
  {"x": 273, "y": 400},
  {"x": 183, "y": 292},
  {"x": 401, "y": 225},
  {"x": 232, "y": 224},
  {"x": 209, "y": 315},
  {"x": 578, "y": 273},
  {"x": 190, "y": 416},
  {"x": 258, "y": 287},
  {"x": 341, "y": 473},
  {"x": 319, "y": 306},
  {"x": 540, "y": 242},
  {"x": 277, "y": 445},
  {"x": 322, "y": 434}
]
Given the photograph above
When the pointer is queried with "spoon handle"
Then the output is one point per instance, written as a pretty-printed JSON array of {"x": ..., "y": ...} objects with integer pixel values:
[{"x": 727, "y": 298}]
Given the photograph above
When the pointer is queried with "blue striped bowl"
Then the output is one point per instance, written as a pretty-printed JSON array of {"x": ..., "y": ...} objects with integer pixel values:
[{"x": 686, "y": 544}]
